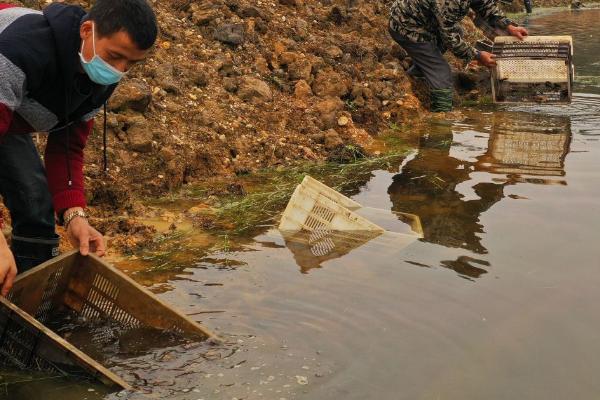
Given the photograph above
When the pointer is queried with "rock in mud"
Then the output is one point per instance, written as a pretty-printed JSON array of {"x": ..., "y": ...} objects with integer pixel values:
[
  {"x": 248, "y": 11},
  {"x": 254, "y": 90},
  {"x": 338, "y": 15},
  {"x": 331, "y": 83},
  {"x": 167, "y": 154},
  {"x": 230, "y": 84},
  {"x": 202, "y": 13},
  {"x": 343, "y": 120},
  {"x": 139, "y": 139},
  {"x": 333, "y": 52},
  {"x": 332, "y": 139},
  {"x": 291, "y": 2},
  {"x": 302, "y": 90},
  {"x": 134, "y": 94},
  {"x": 300, "y": 69},
  {"x": 199, "y": 78},
  {"x": 327, "y": 112},
  {"x": 232, "y": 34}
]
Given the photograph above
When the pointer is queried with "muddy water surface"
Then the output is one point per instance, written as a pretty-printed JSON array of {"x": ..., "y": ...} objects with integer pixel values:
[{"x": 498, "y": 300}]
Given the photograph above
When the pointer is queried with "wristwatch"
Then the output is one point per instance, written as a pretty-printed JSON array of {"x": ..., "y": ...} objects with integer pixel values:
[{"x": 68, "y": 217}]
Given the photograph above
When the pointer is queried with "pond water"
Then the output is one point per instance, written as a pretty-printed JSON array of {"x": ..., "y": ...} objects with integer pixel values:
[{"x": 498, "y": 300}]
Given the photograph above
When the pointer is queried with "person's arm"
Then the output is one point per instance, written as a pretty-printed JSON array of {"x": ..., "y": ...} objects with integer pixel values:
[
  {"x": 64, "y": 167},
  {"x": 489, "y": 11},
  {"x": 451, "y": 36}
]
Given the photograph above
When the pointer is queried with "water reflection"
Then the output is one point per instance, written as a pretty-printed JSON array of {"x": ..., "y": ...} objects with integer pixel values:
[
  {"x": 312, "y": 249},
  {"x": 520, "y": 148},
  {"x": 427, "y": 187},
  {"x": 463, "y": 265},
  {"x": 527, "y": 148}
]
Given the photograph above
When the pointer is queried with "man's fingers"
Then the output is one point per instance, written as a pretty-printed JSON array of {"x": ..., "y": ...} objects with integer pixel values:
[
  {"x": 100, "y": 245},
  {"x": 84, "y": 244},
  {"x": 8, "y": 281}
]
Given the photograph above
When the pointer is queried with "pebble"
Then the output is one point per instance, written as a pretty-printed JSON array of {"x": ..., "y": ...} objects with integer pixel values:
[
  {"x": 343, "y": 120},
  {"x": 302, "y": 380}
]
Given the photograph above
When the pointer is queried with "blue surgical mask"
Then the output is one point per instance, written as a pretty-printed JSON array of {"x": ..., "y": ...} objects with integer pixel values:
[{"x": 99, "y": 70}]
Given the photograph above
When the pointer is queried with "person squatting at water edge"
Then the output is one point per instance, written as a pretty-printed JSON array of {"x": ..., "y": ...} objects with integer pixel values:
[
  {"x": 58, "y": 68},
  {"x": 425, "y": 29}
]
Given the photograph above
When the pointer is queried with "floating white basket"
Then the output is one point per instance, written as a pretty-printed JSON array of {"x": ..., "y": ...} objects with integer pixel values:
[{"x": 320, "y": 224}]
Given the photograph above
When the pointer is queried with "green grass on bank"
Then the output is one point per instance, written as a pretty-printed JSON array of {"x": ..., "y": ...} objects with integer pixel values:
[{"x": 268, "y": 191}]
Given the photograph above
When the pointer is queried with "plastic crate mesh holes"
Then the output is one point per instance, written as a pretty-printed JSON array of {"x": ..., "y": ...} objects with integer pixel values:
[
  {"x": 320, "y": 237},
  {"x": 19, "y": 344},
  {"x": 519, "y": 70}
]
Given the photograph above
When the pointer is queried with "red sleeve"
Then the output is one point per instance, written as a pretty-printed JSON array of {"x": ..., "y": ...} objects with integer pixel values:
[
  {"x": 65, "y": 195},
  {"x": 6, "y": 116},
  {"x": 4, "y": 5}
]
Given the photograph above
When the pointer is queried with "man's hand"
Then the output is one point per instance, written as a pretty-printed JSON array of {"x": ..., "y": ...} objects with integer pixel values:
[
  {"x": 8, "y": 267},
  {"x": 517, "y": 31},
  {"x": 82, "y": 235},
  {"x": 486, "y": 59}
]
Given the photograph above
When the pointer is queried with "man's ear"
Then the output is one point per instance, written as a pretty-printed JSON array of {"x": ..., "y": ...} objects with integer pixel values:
[{"x": 85, "y": 30}]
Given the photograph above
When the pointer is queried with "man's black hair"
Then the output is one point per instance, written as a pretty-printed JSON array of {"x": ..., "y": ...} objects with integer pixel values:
[{"x": 135, "y": 17}]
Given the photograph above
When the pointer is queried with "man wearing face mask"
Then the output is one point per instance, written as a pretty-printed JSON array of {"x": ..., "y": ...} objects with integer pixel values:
[{"x": 57, "y": 69}]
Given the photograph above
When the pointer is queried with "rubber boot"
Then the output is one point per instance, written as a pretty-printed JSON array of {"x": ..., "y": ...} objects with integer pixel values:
[
  {"x": 31, "y": 252},
  {"x": 441, "y": 100},
  {"x": 528, "y": 6}
]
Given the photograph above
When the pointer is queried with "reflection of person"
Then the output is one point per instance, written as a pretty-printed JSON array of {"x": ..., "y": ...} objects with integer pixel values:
[
  {"x": 427, "y": 28},
  {"x": 57, "y": 68},
  {"x": 427, "y": 187}
]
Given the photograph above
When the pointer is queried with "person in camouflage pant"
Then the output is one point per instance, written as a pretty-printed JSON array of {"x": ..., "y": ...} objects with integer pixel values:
[{"x": 426, "y": 29}]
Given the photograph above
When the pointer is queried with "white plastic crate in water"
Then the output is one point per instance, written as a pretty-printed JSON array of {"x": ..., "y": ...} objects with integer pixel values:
[
  {"x": 536, "y": 69},
  {"x": 315, "y": 207},
  {"x": 320, "y": 224}
]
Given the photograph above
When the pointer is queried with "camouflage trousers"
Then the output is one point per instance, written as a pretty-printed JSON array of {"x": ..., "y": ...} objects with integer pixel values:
[{"x": 429, "y": 59}]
